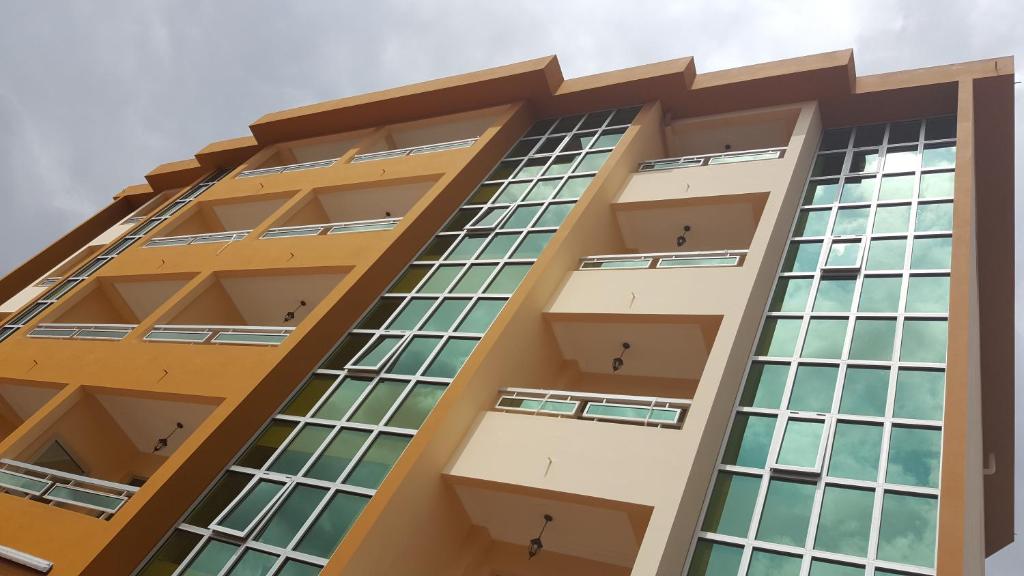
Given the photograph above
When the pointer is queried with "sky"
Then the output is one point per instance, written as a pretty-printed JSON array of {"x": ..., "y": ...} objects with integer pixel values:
[{"x": 95, "y": 94}]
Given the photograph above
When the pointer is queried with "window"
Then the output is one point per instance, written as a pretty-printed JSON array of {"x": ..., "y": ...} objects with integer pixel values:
[
  {"x": 241, "y": 516},
  {"x": 375, "y": 354},
  {"x": 844, "y": 255},
  {"x": 802, "y": 445}
]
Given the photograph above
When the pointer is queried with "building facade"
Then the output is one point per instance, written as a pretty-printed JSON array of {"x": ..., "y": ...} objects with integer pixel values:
[{"x": 756, "y": 321}]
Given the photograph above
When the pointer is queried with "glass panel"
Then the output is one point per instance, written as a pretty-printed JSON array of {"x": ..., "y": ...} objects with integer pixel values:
[
  {"x": 887, "y": 254},
  {"x": 765, "y": 384},
  {"x": 211, "y": 559},
  {"x": 836, "y": 138},
  {"x": 531, "y": 168},
  {"x": 342, "y": 399},
  {"x": 864, "y": 161},
  {"x": 865, "y": 391},
  {"x": 899, "y": 187},
  {"x": 377, "y": 351},
  {"x": 466, "y": 248},
  {"x": 813, "y": 388},
  {"x": 923, "y": 341},
  {"x": 379, "y": 314},
  {"x": 265, "y": 444},
  {"x": 499, "y": 246},
  {"x": 843, "y": 254},
  {"x": 514, "y": 191},
  {"x": 414, "y": 311},
  {"x": 931, "y": 253},
  {"x": 914, "y": 456},
  {"x": 289, "y": 517},
  {"x": 440, "y": 280},
  {"x": 508, "y": 279},
  {"x": 904, "y": 132},
  {"x": 869, "y": 135},
  {"x": 217, "y": 499},
  {"x": 253, "y": 563},
  {"x": 732, "y": 504},
  {"x": 609, "y": 138},
  {"x": 928, "y": 294},
  {"x": 554, "y": 215},
  {"x": 844, "y": 524},
  {"x": 533, "y": 244},
  {"x": 343, "y": 354},
  {"x": 940, "y": 128},
  {"x": 802, "y": 257},
  {"x": 939, "y": 156},
  {"x": 834, "y": 295},
  {"x": 55, "y": 457},
  {"x": 171, "y": 554},
  {"x": 763, "y": 563},
  {"x": 504, "y": 170},
  {"x": 461, "y": 219},
  {"x": 410, "y": 278},
  {"x": 811, "y": 223},
  {"x": 451, "y": 358},
  {"x": 600, "y": 409},
  {"x": 251, "y": 506},
  {"x": 890, "y": 219},
  {"x": 859, "y": 189},
  {"x": 901, "y": 159},
  {"x": 880, "y": 294},
  {"x": 445, "y": 315},
  {"x": 480, "y": 316},
  {"x": 907, "y": 531},
  {"x": 417, "y": 406},
  {"x": 821, "y": 192},
  {"x": 856, "y": 449},
  {"x": 543, "y": 190},
  {"x": 474, "y": 278},
  {"x": 823, "y": 568},
  {"x": 749, "y": 440},
  {"x": 801, "y": 443},
  {"x": 379, "y": 401},
  {"x": 714, "y": 559},
  {"x": 919, "y": 394},
  {"x": 300, "y": 449},
  {"x": 331, "y": 526},
  {"x": 828, "y": 164},
  {"x": 336, "y": 457},
  {"x": 786, "y": 512},
  {"x": 934, "y": 217},
  {"x": 377, "y": 461},
  {"x": 778, "y": 337},
  {"x": 873, "y": 339},
  {"x": 559, "y": 406},
  {"x": 487, "y": 191},
  {"x": 790, "y": 295},
  {"x": 83, "y": 496},
  {"x": 436, "y": 248},
  {"x": 521, "y": 218},
  {"x": 415, "y": 353},
  {"x": 937, "y": 185},
  {"x": 592, "y": 162},
  {"x": 825, "y": 337},
  {"x": 296, "y": 568},
  {"x": 574, "y": 187}
]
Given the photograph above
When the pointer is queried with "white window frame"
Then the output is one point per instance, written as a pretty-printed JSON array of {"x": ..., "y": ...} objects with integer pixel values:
[{"x": 777, "y": 469}]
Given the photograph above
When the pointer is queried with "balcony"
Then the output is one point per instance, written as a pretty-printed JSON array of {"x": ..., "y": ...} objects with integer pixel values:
[
  {"x": 218, "y": 221},
  {"x": 414, "y": 150},
  {"x": 302, "y": 155},
  {"x": 712, "y": 159},
  {"x": 55, "y": 487},
  {"x": 425, "y": 136}
]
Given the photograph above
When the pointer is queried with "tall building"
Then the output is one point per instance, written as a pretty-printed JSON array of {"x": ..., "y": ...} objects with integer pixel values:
[{"x": 755, "y": 321}]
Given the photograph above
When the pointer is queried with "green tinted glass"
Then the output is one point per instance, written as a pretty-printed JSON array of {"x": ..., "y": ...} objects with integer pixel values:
[
  {"x": 508, "y": 279},
  {"x": 880, "y": 294},
  {"x": 931, "y": 253},
  {"x": 213, "y": 557},
  {"x": 825, "y": 337},
  {"x": 790, "y": 295},
  {"x": 715, "y": 559},
  {"x": 480, "y": 316},
  {"x": 934, "y": 217},
  {"x": 937, "y": 185},
  {"x": 251, "y": 506},
  {"x": 844, "y": 524},
  {"x": 778, "y": 337},
  {"x": 928, "y": 294},
  {"x": 474, "y": 278},
  {"x": 337, "y": 455},
  {"x": 532, "y": 245},
  {"x": 415, "y": 353},
  {"x": 919, "y": 394},
  {"x": 873, "y": 339},
  {"x": 923, "y": 341},
  {"x": 851, "y": 221},
  {"x": 907, "y": 530},
  {"x": 813, "y": 388},
  {"x": 466, "y": 248},
  {"x": 821, "y": 192},
  {"x": 417, "y": 405},
  {"x": 890, "y": 219},
  {"x": 749, "y": 440},
  {"x": 811, "y": 223},
  {"x": 786, "y": 512},
  {"x": 217, "y": 499},
  {"x": 732, "y": 504},
  {"x": 342, "y": 399},
  {"x": 378, "y": 402},
  {"x": 253, "y": 563},
  {"x": 331, "y": 526},
  {"x": 440, "y": 279},
  {"x": 311, "y": 392},
  {"x": 764, "y": 386},
  {"x": 897, "y": 187},
  {"x": 763, "y": 563},
  {"x": 865, "y": 391},
  {"x": 802, "y": 257},
  {"x": 445, "y": 315},
  {"x": 801, "y": 443},
  {"x": 289, "y": 517},
  {"x": 451, "y": 358},
  {"x": 499, "y": 246},
  {"x": 411, "y": 314},
  {"x": 824, "y": 568},
  {"x": 377, "y": 461},
  {"x": 834, "y": 295},
  {"x": 887, "y": 254},
  {"x": 300, "y": 449},
  {"x": 855, "y": 452},
  {"x": 914, "y": 456},
  {"x": 264, "y": 446}
]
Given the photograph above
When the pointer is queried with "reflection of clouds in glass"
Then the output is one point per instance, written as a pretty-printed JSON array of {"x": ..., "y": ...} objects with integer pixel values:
[
  {"x": 907, "y": 532},
  {"x": 932, "y": 217},
  {"x": 845, "y": 521},
  {"x": 800, "y": 443},
  {"x": 914, "y": 457},
  {"x": 834, "y": 295},
  {"x": 855, "y": 451},
  {"x": 749, "y": 440},
  {"x": 919, "y": 394},
  {"x": 451, "y": 358},
  {"x": 928, "y": 294},
  {"x": 786, "y": 513},
  {"x": 768, "y": 564}
]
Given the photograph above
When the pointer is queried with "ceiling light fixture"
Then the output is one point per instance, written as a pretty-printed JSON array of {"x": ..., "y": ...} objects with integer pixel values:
[
  {"x": 290, "y": 315},
  {"x": 681, "y": 239},
  {"x": 535, "y": 544},
  {"x": 617, "y": 361},
  {"x": 161, "y": 443}
]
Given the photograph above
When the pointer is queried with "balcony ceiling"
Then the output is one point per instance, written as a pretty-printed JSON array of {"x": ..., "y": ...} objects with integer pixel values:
[
  {"x": 144, "y": 420},
  {"x": 727, "y": 223}
]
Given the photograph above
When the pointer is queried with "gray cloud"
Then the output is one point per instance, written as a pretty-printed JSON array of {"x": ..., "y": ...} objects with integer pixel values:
[{"x": 94, "y": 95}]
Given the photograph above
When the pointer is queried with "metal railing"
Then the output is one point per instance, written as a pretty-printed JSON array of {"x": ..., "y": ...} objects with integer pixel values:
[
  {"x": 413, "y": 150},
  {"x": 57, "y": 488},
  {"x": 713, "y": 159},
  {"x": 331, "y": 228},
  {"x": 50, "y": 281},
  {"x": 640, "y": 410},
  {"x": 64, "y": 331},
  {"x": 208, "y": 238},
  {"x": 288, "y": 168},
  {"x": 708, "y": 258},
  {"x": 207, "y": 334}
]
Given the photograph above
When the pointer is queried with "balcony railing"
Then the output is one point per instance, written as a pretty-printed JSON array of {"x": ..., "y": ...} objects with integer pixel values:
[
  {"x": 65, "y": 331},
  {"x": 208, "y": 238},
  {"x": 288, "y": 168},
  {"x": 333, "y": 228},
  {"x": 203, "y": 334},
  {"x": 97, "y": 497},
  {"x": 713, "y": 258},
  {"x": 413, "y": 151},
  {"x": 640, "y": 410},
  {"x": 713, "y": 159},
  {"x": 48, "y": 281}
]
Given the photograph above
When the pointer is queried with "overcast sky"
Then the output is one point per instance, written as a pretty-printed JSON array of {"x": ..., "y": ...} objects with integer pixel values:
[{"x": 95, "y": 94}]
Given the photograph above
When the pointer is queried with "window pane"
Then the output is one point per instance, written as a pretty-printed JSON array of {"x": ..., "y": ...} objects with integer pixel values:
[
  {"x": 903, "y": 132},
  {"x": 764, "y": 563},
  {"x": 825, "y": 337},
  {"x": 486, "y": 191},
  {"x": 940, "y": 128},
  {"x": 211, "y": 559},
  {"x": 451, "y": 358},
  {"x": 811, "y": 223},
  {"x": 924, "y": 341},
  {"x": 543, "y": 189},
  {"x": 289, "y": 517},
  {"x": 466, "y": 248},
  {"x": 890, "y": 219},
  {"x": 303, "y": 402},
  {"x": 251, "y": 506},
  {"x": 845, "y": 521},
  {"x": 836, "y": 138},
  {"x": 934, "y": 217},
  {"x": 574, "y": 187},
  {"x": 336, "y": 457},
  {"x": 412, "y": 314},
  {"x": 865, "y": 391},
  {"x": 592, "y": 162},
  {"x": 790, "y": 295},
  {"x": 445, "y": 315},
  {"x": 887, "y": 254},
  {"x": 480, "y": 316},
  {"x": 436, "y": 248},
  {"x": 474, "y": 278},
  {"x": 732, "y": 504},
  {"x": 850, "y": 221},
  {"x": 880, "y": 294},
  {"x": 554, "y": 215},
  {"x": 901, "y": 159},
  {"x": 855, "y": 452},
  {"x": 417, "y": 405},
  {"x": 823, "y": 568},
  {"x": 714, "y": 559},
  {"x": 914, "y": 456},
  {"x": 821, "y": 192},
  {"x": 897, "y": 187},
  {"x": 859, "y": 189},
  {"x": 508, "y": 279},
  {"x": 928, "y": 294},
  {"x": 415, "y": 353},
  {"x": 379, "y": 401},
  {"x": 939, "y": 156},
  {"x": 343, "y": 397},
  {"x": 907, "y": 531},
  {"x": 873, "y": 339},
  {"x": 300, "y": 449},
  {"x": 533, "y": 244},
  {"x": 171, "y": 554},
  {"x": 869, "y": 135},
  {"x": 843, "y": 254},
  {"x": 409, "y": 279},
  {"x": 786, "y": 513},
  {"x": 461, "y": 219},
  {"x": 778, "y": 337},
  {"x": 828, "y": 164},
  {"x": 513, "y": 192},
  {"x": 331, "y": 526},
  {"x": 801, "y": 443},
  {"x": 813, "y": 388},
  {"x": 499, "y": 246},
  {"x": 379, "y": 314},
  {"x": 440, "y": 279},
  {"x": 765, "y": 384},
  {"x": 377, "y": 461},
  {"x": 296, "y": 568},
  {"x": 265, "y": 444},
  {"x": 834, "y": 295},
  {"x": 223, "y": 493},
  {"x": 802, "y": 257},
  {"x": 919, "y": 394},
  {"x": 377, "y": 351},
  {"x": 937, "y": 185},
  {"x": 253, "y": 563},
  {"x": 749, "y": 440},
  {"x": 931, "y": 253},
  {"x": 521, "y": 218}
]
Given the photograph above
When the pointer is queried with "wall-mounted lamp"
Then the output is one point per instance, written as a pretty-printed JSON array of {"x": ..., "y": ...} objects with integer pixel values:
[
  {"x": 536, "y": 545},
  {"x": 681, "y": 239},
  {"x": 617, "y": 361},
  {"x": 161, "y": 443},
  {"x": 290, "y": 315}
]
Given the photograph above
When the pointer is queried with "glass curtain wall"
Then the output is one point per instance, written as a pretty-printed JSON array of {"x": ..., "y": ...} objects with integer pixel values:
[
  {"x": 289, "y": 498},
  {"x": 831, "y": 463}
]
